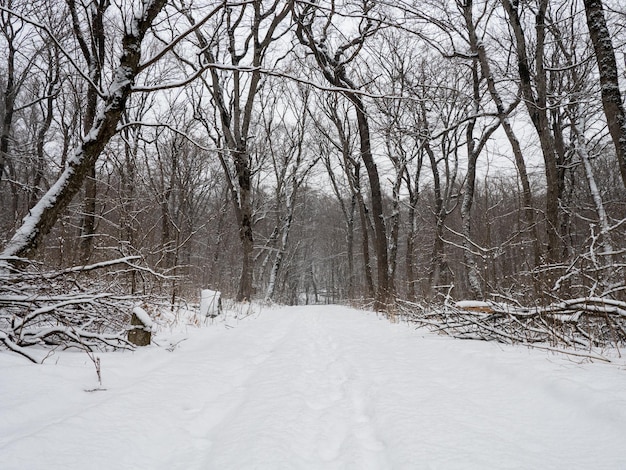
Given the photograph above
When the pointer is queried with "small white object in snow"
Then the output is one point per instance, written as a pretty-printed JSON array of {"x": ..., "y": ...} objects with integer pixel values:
[{"x": 210, "y": 303}]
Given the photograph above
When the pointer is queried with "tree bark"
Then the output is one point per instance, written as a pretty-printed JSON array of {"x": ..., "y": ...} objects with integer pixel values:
[
  {"x": 365, "y": 245},
  {"x": 609, "y": 83},
  {"x": 380, "y": 234},
  {"x": 53, "y": 76},
  {"x": 605, "y": 227},
  {"x": 473, "y": 152},
  {"x": 414, "y": 193},
  {"x": 286, "y": 228}
]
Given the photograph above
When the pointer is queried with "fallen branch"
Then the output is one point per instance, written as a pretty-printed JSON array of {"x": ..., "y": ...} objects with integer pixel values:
[{"x": 566, "y": 326}]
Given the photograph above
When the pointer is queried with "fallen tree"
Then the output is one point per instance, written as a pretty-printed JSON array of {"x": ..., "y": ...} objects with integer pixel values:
[
  {"x": 582, "y": 326},
  {"x": 70, "y": 308}
]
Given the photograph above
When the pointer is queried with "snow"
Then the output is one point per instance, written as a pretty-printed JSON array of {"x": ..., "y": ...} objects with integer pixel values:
[
  {"x": 31, "y": 221},
  {"x": 469, "y": 304},
  {"x": 320, "y": 387},
  {"x": 209, "y": 303},
  {"x": 143, "y": 317}
]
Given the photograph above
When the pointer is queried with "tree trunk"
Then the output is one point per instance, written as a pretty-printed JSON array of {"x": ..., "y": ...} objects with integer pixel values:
[
  {"x": 245, "y": 291},
  {"x": 528, "y": 209},
  {"x": 395, "y": 228},
  {"x": 9, "y": 103},
  {"x": 473, "y": 275},
  {"x": 438, "y": 265},
  {"x": 380, "y": 234},
  {"x": 365, "y": 246},
  {"x": 283, "y": 247},
  {"x": 609, "y": 84},
  {"x": 92, "y": 46},
  {"x": 53, "y": 80},
  {"x": 350, "y": 246},
  {"x": 45, "y": 213},
  {"x": 596, "y": 196},
  {"x": 473, "y": 151},
  {"x": 414, "y": 193},
  {"x": 437, "y": 258},
  {"x": 88, "y": 228},
  {"x": 537, "y": 109},
  {"x": 410, "y": 253}
]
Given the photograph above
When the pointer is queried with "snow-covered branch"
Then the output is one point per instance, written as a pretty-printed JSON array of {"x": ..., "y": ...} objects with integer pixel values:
[{"x": 582, "y": 326}]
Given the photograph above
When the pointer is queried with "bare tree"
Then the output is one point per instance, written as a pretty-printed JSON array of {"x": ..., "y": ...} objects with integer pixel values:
[
  {"x": 22, "y": 54},
  {"x": 249, "y": 31},
  {"x": 478, "y": 46},
  {"x": 291, "y": 166},
  {"x": 88, "y": 27},
  {"x": 45, "y": 213},
  {"x": 535, "y": 94},
  {"x": 340, "y": 142},
  {"x": 333, "y": 67},
  {"x": 475, "y": 146}
]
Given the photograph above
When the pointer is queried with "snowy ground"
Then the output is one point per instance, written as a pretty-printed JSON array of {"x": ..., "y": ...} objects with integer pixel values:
[{"x": 313, "y": 388}]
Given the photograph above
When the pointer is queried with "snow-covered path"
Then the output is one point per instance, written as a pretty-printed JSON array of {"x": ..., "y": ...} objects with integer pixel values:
[{"x": 314, "y": 388}]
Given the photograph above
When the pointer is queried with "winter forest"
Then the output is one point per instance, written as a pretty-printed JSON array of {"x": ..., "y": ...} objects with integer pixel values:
[{"x": 396, "y": 154}]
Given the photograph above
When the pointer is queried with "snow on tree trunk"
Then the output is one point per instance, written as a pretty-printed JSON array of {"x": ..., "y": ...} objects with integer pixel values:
[
  {"x": 42, "y": 217},
  {"x": 271, "y": 287},
  {"x": 473, "y": 275},
  {"x": 581, "y": 150}
]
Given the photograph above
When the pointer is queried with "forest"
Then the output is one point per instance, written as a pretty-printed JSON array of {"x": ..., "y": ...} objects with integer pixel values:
[{"x": 400, "y": 155}]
